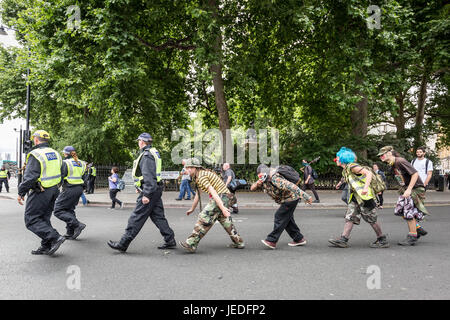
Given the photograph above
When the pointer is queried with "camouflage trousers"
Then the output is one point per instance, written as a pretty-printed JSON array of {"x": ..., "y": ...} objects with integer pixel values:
[
  {"x": 354, "y": 211},
  {"x": 208, "y": 217}
]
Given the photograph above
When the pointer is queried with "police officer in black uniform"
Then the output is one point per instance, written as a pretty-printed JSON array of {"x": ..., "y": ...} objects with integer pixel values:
[
  {"x": 147, "y": 176},
  {"x": 73, "y": 173},
  {"x": 42, "y": 175}
]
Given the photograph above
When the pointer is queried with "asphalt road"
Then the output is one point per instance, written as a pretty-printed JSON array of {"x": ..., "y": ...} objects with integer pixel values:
[{"x": 315, "y": 271}]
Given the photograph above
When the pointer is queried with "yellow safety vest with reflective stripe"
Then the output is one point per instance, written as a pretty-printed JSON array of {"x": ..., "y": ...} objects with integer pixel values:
[
  {"x": 51, "y": 162},
  {"x": 75, "y": 171},
  {"x": 3, "y": 174},
  {"x": 357, "y": 184},
  {"x": 137, "y": 175},
  {"x": 94, "y": 171}
]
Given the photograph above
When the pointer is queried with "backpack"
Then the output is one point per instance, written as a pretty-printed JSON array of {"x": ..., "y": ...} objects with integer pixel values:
[
  {"x": 120, "y": 184},
  {"x": 289, "y": 174},
  {"x": 377, "y": 184},
  {"x": 236, "y": 184},
  {"x": 314, "y": 174}
]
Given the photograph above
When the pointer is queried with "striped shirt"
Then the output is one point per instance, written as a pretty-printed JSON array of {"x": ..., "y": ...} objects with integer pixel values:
[{"x": 208, "y": 178}]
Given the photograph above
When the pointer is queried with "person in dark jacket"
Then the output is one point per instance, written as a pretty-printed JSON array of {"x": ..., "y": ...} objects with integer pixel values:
[
  {"x": 309, "y": 180},
  {"x": 147, "y": 177},
  {"x": 41, "y": 178},
  {"x": 74, "y": 174}
]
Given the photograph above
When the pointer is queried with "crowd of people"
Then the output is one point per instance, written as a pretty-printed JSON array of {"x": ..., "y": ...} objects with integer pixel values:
[{"x": 46, "y": 170}]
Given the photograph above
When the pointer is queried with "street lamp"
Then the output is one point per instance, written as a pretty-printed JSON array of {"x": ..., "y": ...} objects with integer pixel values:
[
  {"x": 25, "y": 143},
  {"x": 19, "y": 156}
]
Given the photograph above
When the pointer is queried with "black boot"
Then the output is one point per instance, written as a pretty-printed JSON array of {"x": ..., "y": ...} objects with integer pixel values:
[
  {"x": 168, "y": 245},
  {"x": 120, "y": 246},
  {"x": 381, "y": 242},
  {"x": 40, "y": 250},
  {"x": 56, "y": 244},
  {"x": 77, "y": 231}
]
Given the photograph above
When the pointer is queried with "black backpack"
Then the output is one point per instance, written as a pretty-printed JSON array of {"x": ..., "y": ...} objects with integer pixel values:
[
  {"x": 314, "y": 174},
  {"x": 289, "y": 174}
]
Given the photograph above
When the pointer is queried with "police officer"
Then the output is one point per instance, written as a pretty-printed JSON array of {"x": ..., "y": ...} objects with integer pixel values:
[
  {"x": 92, "y": 175},
  {"x": 147, "y": 177},
  {"x": 73, "y": 171},
  {"x": 42, "y": 176},
  {"x": 5, "y": 175}
]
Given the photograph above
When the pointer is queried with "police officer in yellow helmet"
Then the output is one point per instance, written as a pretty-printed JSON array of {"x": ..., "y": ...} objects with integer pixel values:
[
  {"x": 41, "y": 178},
  {"x": 73, "y": 173},
  {"x": 147, "y": 177}
]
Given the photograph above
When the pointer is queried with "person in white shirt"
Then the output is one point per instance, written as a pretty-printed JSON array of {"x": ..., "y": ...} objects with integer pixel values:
[{"x": 423, "y": 165}]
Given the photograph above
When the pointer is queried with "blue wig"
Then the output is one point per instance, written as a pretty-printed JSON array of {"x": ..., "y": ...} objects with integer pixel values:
[{"x": 346, "y": 155}]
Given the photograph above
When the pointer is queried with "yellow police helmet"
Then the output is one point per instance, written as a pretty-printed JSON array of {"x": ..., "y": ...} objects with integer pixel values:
[{"x": 41, "y": 134}]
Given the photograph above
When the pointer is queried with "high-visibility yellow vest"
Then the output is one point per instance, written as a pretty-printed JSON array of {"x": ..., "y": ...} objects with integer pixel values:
[
  {"x": 137, "y": 174},
  {"x": 75, "y": 171},
  {"x": 357, "y": 184},
  {"x": 51, "y": 162},
  {"x": 3, "y": 174},
  {"x": 93, "y": 172}
]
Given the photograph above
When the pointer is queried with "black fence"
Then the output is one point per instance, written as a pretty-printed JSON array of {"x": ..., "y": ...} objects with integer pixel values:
[{"x": 324, "y": 182}]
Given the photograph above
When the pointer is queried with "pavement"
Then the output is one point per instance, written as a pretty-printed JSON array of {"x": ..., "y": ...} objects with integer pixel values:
[
  {"x": 246, "y": 200},
  {"x": 88, "y": 269}
]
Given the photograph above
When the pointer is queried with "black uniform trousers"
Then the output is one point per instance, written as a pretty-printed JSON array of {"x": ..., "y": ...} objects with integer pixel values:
[
  {"x": 65, "y": 206},
  {"x": 4, "y": 181},
  {"x": 284, "y": 220},
  {"x": 90, "y": 184},
  {"x": 153, "y": 210},
  {"x": 38, "y": 211}
]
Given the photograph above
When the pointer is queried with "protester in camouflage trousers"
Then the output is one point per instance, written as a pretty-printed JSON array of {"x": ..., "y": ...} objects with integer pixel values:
[
  {"x": 218, "y": 209},
  {"x": 361, "y": 201}
]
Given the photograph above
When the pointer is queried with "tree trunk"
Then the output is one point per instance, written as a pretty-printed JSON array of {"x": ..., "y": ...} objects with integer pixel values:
[
  {"x": 418, "y": 141},
  {"x": 358, "y": 117},
  {"x": 399, "y": 119},
  {"x": 219, "y": 91}
]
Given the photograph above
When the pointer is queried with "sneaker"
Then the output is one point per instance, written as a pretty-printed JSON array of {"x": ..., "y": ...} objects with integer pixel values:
[
  {"x": 237, "y": 245},
  {"x": 409, "y": 241},
  {"x": 187, "y": 247},
  {"x": 381, "y": 242},
  {"x": 316, "y": 201},
  {"x": 341, "y": 242},
  {"x": 421, "y": 232},
  {"x": 302, "y": 242},
  {"x": 178, "y": 199},
  {"x": 271, "y": 245}
]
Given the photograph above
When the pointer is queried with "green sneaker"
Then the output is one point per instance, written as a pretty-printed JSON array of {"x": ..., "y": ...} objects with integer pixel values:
[
  {"x": 237, "y": 245},
  {"x": 381, "y": 242},
  {"x": 342, "y": 242}
]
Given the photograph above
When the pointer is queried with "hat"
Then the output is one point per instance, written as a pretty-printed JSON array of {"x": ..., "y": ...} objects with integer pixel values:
[
  {"x": 41, "y": 134},
  {"x": 68, "y": 149},
  {"x": 193, "y": 162},
  {"x": 385, "y": 149},
  {"x": 145, "y": 137}
]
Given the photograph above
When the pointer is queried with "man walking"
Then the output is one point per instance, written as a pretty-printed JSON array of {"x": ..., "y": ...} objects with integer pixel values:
[
  {"x": 410, "y": 204},
  {"x": 309, "y": 180},
  {"x": 287, "y": 194},
  {"x": 185, "y": 186},
  {"x": 42, "y": 176},
  {"x": 5, "y": 175},
  {"x": 147, "y": 176},
  {"x": 423, "y": 166}
]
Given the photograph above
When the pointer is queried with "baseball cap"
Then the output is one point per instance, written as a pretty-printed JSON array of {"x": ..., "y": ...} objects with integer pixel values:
[
  {"x": 145, "y": 137},
  {"x": 385, "y": 149}
]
